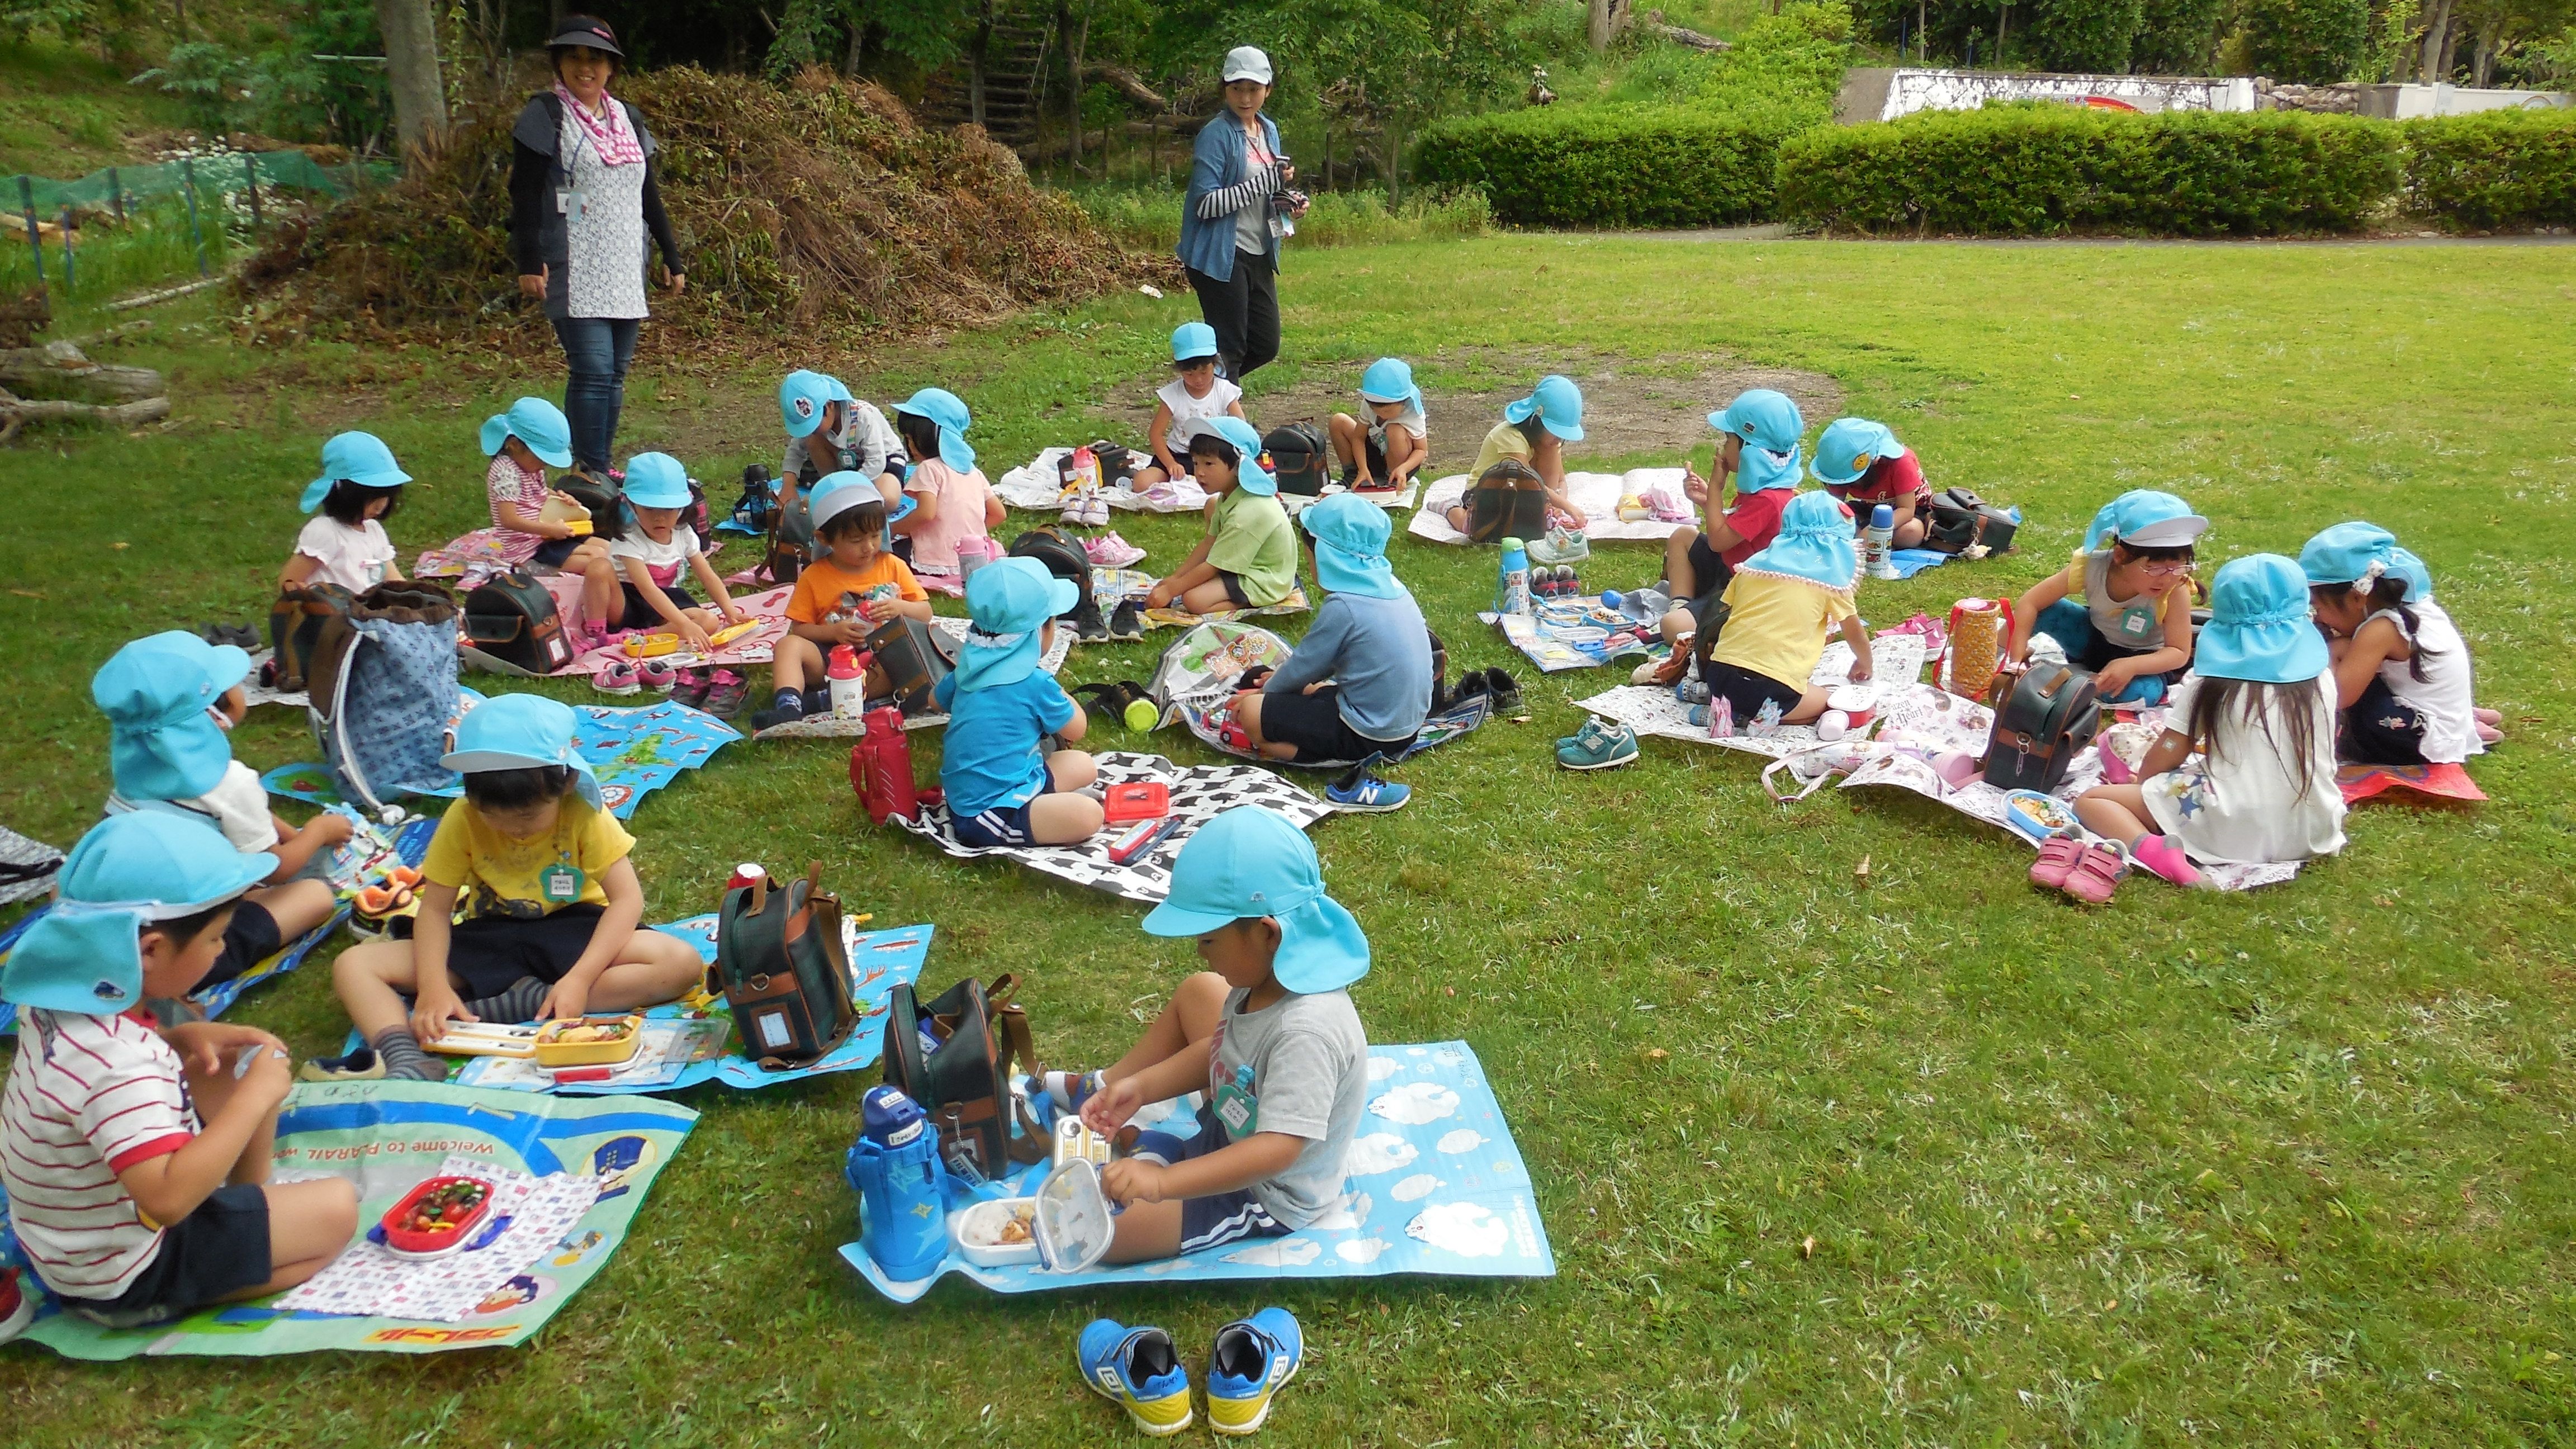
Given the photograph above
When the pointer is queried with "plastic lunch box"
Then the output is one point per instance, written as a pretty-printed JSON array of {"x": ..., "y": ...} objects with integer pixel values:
[
  {"x": 976, "y": 1228},
  {"x": 412, "y": 1244},
  {"x": 553, "y": 1051}
]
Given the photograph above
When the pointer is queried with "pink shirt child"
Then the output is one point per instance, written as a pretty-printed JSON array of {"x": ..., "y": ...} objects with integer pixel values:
[{"x": 959, "y": 499}]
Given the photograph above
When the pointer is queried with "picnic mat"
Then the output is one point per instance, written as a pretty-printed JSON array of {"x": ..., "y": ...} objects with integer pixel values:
[
  {"x": 1578, "y": 633},
  {"x": 1597, "y": 494},
  {"x": 1109, "y": 586},
  {"x": 27, "y": 867},
  {"x": 1209, "y": 723},
  {"x": 1198, "y": 792},
  {"x": 1393, "y": 500},
  {"x": 2442, "y": 782},
  {"x": 1032, "y": 487},
  {"x": 837, "y": 726},
  {"x": 258, "y": 694},
  {"x": 685, "y": 1045},
  {"x": 1435, "y": 1185},
  {"x": 387, "y": 1136},
  {"x": 634, "y": 751}
]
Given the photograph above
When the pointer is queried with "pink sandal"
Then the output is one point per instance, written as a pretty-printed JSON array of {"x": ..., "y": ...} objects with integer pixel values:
[
  {"x": 2164, "y": 855},
  {"x": 2098, "y": 867},
  {"x": 2057, "y": 856}
]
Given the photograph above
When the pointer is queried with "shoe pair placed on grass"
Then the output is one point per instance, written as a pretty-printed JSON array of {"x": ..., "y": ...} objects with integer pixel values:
[
  {"x": 1140, "y": 1370},
  {"x": 1599, "y": 745},
  {"x": 1496, "y": 685},
  {"x": 2091, "y": 870}
]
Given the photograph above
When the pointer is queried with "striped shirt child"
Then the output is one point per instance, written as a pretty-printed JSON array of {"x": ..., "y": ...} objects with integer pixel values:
[{"x": 87, "y": 1097}]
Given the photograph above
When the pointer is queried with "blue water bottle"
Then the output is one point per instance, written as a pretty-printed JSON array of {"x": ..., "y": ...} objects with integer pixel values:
[
  {"x": 895, "y": 1167},
  {"x": 1878, "y": 542}
]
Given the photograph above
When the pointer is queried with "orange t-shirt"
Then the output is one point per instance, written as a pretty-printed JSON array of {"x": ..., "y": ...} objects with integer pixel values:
[{"x": 827, "y": 593}]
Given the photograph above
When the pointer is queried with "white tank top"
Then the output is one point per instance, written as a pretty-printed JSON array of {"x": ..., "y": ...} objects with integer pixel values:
[{"x": 2445, "y": 697}]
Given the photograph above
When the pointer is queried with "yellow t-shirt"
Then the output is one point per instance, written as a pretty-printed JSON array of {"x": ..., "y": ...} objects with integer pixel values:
[
  {"x": 502, "y": 875},
  {"x": 1776, "y": 627},
  {"x": 1505, "y": 441}
]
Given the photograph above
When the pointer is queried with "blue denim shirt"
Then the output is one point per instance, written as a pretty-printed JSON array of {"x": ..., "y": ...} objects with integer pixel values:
[{"x": 1218, "y": 160}]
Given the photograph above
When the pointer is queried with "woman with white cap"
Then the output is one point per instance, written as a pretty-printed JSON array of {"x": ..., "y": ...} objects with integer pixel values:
[
  {"x": 583, "y": 195},
  {"x": 1229, "y": 227}
]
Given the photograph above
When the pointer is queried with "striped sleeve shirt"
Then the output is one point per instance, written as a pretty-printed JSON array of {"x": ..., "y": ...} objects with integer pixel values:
[{"x": 87, "y": 1097}]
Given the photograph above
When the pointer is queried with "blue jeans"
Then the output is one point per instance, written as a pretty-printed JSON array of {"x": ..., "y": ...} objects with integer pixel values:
[
  {"x": 597, "y": 352},
  {"x": 2071, "y": 625}
]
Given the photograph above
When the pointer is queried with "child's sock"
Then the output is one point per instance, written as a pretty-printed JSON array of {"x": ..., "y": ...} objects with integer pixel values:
[
  {"x": 519, "y": 1003},
  {"x": 400, "y": 1051}
]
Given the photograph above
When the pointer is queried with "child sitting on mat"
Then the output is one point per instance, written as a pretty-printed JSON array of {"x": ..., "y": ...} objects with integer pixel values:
[
  {"x": 522, "y": 443},
  {"x": 1358, "y": 686},
  {"x": 1267, "y": 1032},
  {"x": 2259, "y": 706},
  {"x": 1557, "y": 405},
  {"x": 1248, "y": 558},
  {"x": 840, "y": 598},
  {"x": 1194, "y": 392},
  {"x": 953, "y": 506},
  {"x": 829, "y": 431},
  {"x": 2122, "y": 607},
  {"x": 551, "y": 902},
  {"x": 1382, "y": 453},
  {"x": 1002, "y": 704},
  {"x": 1780, "y": 604},
  {"x": 171, "y": 702},
  {"x": 654, "y": 549},
  {"x": 136, "y": 1158},
  {"x": 359, "y": 488},
  {"x": 1861, "y": 463},
  {"x": 1759, "y": 454},
  {"x": 2402, "y": 677}
]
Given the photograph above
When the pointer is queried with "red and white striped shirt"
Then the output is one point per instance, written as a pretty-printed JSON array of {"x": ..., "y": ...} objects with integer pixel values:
[{"x": 87, "y": 1097}]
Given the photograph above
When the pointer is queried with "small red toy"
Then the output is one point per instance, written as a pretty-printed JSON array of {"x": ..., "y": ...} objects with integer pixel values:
[{"x": 1136, "y": 800}]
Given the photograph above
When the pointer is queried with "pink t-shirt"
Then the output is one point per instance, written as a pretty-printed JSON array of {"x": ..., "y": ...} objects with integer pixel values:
[
  {"x": 513, "y": 487},
  {"x": 960, "y": 499}
]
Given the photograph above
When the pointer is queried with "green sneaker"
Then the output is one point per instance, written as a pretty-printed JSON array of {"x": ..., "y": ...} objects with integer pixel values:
[
  {"x": 1560, "y": 546},
  {"x": 1597, "y": 746}
]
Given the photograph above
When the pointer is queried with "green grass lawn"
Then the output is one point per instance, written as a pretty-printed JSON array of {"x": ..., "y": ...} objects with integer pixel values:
[{"x": 1939, "y": 1160}]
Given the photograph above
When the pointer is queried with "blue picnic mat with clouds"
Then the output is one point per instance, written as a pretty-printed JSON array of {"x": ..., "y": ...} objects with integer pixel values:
[
  {"x": 1435, "y": 1186},
  {"x": 633, "y": 751}
]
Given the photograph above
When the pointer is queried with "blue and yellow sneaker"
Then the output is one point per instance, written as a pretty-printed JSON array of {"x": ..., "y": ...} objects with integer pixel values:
[
  {"x": 1253, "y": 1358},
  {"x": 1138, "y": 1369}
]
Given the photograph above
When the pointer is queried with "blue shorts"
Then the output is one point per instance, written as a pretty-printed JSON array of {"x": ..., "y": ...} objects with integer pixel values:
[
  {"x": 1209, "y": 1222},
  {"x": 1003, "y": 825},
  {"x": 206, "y": 1257}
]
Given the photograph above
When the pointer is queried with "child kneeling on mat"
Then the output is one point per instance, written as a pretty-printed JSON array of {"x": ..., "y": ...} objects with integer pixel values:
[
  {"x": 2122, "y": 607},
  {"x": 551, "y": 901},
  {"x": 1358, "y": 686},
  {"x": 1248, "y": 560},
  {"x": 1002, "y": 704},
  {"x": 136, "y": 1159},
  {"x": 1267, "y": 1032},
  {"x": 2402, "y": 675},
  {"x": 171, "y": 701},
  {"x": 1781, "y": 602},
  {"x": 2259, "y": 706},
  {"x": 522, "y": 443},
  {"x": 855, "y": 585},
  {"x": 1535, "y": 431}
]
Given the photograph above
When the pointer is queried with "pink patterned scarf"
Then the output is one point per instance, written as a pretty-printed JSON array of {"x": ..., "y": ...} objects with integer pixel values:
[{"x": 613, "y": 138}]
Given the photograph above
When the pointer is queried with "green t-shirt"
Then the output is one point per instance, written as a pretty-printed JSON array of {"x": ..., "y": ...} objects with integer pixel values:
[{"x": 1251, "y": 537}]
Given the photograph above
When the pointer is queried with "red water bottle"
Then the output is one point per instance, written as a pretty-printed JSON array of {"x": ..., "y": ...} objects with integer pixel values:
[{"x": 881, "y": 768}]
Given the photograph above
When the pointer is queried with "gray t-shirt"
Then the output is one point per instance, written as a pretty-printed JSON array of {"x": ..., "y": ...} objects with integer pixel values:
[{"x": 1309, "y": 1060}]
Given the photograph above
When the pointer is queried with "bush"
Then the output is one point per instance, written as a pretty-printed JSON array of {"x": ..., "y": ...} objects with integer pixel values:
[
  {"x": 1599, "y": 166},
  {"x": 2178, "y": 37},
  {"x": 2042, "y": 170},
  {"x": 2499, "y": 169},
  {"x": 2309, "y": 42},
  {"x": 2079, "y": 35}
]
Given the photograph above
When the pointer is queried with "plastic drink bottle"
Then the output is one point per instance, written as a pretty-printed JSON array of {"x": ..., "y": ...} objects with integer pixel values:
[
  {"x": 1512, "y": 592},
  {"x": 1878, "y": 542},
  {"x": 1086, "y": 467},
  {"x": 894, "y": 1165},
  {"x": 849, "y": 681}
]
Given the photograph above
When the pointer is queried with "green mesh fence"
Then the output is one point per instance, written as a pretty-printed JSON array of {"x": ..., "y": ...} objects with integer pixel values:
[{"x": 122, "y": 186}]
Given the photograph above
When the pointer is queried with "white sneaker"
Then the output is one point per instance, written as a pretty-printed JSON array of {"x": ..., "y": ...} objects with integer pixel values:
[
  {"x": 1076, "y": 511},
  {"x": 1095, "y": 508}
]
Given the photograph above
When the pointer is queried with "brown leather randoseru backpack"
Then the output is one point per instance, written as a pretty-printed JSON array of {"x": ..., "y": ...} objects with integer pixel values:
[
  {"x": 1508, "y": 501},
  {"x": 782, "y": 967},
  {"x": 954, "y": 1057},
  {"x": 2044, "y": 716}
]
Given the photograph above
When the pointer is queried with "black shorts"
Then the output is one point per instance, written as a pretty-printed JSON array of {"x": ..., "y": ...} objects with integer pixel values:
[
  {"x": 1709, "y": 573},
  {"x": 1234, "y": 589},
  {"x": 1001, "y": 826},
  {"x": 2378, "y": 729},
  {"x": 206, "y": 1257},
  {"x": 552, "y": 553},
  {"x": 1213, "y": 1221},
  {"x": 1314, "y": 724},
  {"x": 250, "y": 939},
  {"x": 490, "y": 954},
  {"x": 1746, "y": 691},
  {"x": 640, "y": 613}
]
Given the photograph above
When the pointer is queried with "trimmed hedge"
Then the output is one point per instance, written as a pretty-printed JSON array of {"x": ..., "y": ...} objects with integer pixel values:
[
  {"x": 2499, "y": 169},
  {"x": 1606, "y": 167},
  {"x": 2037, "y": 170}
]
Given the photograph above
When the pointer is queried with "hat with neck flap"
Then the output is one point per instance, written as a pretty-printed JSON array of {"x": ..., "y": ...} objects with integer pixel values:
[
  {"x": 2359, "y": 554},
  {"x": 946, "y": 412},
  {"x": 1770, "y": 425},
  {"x": 1814, "y": 545},
  {"x": 1010, "y": 601},
  {"x": 85, "y": 954},
  {"x": 1251, "y": 862},
  {"x": 2259, "y": 626},
  {"x": 159, "y": 693}
]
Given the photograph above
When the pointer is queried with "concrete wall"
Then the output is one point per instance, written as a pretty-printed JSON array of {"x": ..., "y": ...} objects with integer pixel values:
[
  {"x": 1879, "y": 93},
  {"x": 2406, "y": 102}
]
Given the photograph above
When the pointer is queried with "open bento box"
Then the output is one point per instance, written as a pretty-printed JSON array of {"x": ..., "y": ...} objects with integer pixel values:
[
  {"x": 1064, "y": 1227},
  {"x": 588, "y": 1041},
  {"x": 437, "y": 1217}
]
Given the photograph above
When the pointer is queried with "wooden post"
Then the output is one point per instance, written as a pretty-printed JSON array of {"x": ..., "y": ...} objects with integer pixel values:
[
  {"x": 116, "y": 195},
  {"x": 196, "y": 228},
  {"x": 27, "y": 209},
  {"x": 68, "y": 274},
  {"x": 250, "y": 172}
]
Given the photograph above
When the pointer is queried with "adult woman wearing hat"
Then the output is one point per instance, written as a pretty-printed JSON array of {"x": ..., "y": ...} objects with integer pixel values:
[
  {"x": 583, "y": 195},
  {"x": 1228, "y": 244}
]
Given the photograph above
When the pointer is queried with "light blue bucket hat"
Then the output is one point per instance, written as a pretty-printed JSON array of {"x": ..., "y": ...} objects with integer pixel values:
[
  {"x": 1250, "y": 862},
  {"x": 837, "y": 493},
  {"x": 2359, "y": 554},
  {"x": 1194, "y": 342},
  {"x": 85, "y": 953},
  {"x": 1556, "y": 402},
  {"x": 2144, "y": 518},
  {"x": 1010, "y": 601},
  {"x": 1814, "y": 544},
  {"x": 360, "y": 458},
  {"x": 1770, "y": 425},
  {"x": 2259, "y": 627},
  {"x": 1390, "y": 380},
  {"x": 521, "y": 732},
  {"x": 1350, "y": 534},
  {"x": 947, "y": 412},
  {"x": 656, "y": 480},
  {"x": 1239, "y": 435},
  {"x": 1851, "y": 447},
  {"x": 157, "y": 693},
  {"x": 536, "y": 422},
  {"x": 803, "y": 395}
]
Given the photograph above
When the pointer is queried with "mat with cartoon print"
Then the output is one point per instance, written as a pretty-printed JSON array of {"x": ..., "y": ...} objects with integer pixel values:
[
  {"x": 1578, "y": 633},
  {"x": 580, "y": 1166},
  {"x": 633, "y": 751},
  {"x": 1597, "y": 494},
  {"x": 1109, "y": 586},
  {"x": 1435, "y": 1185}
]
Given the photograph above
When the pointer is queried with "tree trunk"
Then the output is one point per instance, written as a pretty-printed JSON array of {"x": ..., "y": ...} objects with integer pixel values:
[
  {"x": 2482, "y": 70},
  {"x": 411, "y": 63},
  {"x": 1597, "y": 24},
  {"x": 975, "y": 53},
  {"x": 858, "y": 40},
  {"x": 2450, "y": 41},
  {"x": 2437, "y": 24},
  {"x": 1394, "y": 162},
  {"x": 1073, "y": 38}
]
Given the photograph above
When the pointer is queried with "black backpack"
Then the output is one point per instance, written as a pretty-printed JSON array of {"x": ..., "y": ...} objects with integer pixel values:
[
  {"x": 2044, "y": 717},
  {"x": 757, "y": 508},
  {"x": 911, "y": 659},
  {"x": 954, "y": 1058},
  {"x": 512, "y": 618},
  {"x": 1065, "y": 559},
  {"x": 1298, "y": 455},
  {"x": 1960, "y": 520},
  {"x": 1508, "y": 501},
  {"x": 780, "y": 964}
]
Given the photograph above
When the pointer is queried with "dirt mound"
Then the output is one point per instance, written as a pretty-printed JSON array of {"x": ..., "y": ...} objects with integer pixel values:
[{"x": 815, "y": 205}]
